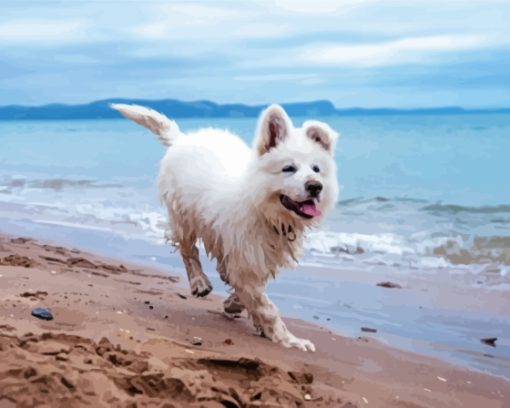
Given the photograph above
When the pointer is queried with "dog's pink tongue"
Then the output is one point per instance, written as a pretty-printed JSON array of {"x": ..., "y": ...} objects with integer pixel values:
[{"x": 310, "y": 209}]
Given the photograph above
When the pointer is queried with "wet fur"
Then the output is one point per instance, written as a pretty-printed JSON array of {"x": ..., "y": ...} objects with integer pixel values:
[{"x": 220, "y": 191}]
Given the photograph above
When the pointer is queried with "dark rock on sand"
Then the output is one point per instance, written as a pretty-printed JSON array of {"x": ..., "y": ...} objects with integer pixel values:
[
  {"x": 390, "y": 285},
  {"x": 368, "y": 330},
  {"x": 42, "y": 313},
  {"x": 490, "y": 341}
]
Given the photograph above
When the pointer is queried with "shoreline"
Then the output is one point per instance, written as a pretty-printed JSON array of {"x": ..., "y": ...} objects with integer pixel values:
[
  {"x": 435, "y": 314},
  {"x": 94, "y": 297}
]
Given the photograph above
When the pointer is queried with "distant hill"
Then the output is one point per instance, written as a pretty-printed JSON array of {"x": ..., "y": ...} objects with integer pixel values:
[{"x": 207, "y": 109}]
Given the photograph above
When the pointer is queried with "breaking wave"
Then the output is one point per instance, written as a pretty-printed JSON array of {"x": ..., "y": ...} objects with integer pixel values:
[{"x": 402, "y": 232}]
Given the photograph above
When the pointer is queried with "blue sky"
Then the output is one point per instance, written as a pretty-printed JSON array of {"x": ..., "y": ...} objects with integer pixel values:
[{"x": 367, "y": 53}]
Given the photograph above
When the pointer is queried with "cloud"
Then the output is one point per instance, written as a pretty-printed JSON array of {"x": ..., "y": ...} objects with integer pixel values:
[
  {"x": 317, "y": 6},
  {"x": 255, "y": 50},
  {"x": 37, "y": 31},
  {"x": 277, "y": 77},
  {"x": 402, "y": 51}
]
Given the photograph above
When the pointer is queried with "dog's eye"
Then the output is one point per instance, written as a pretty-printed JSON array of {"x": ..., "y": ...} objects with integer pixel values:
[
  {"x": 289, "y": 169},
  {"x": 316, "y": 168}
]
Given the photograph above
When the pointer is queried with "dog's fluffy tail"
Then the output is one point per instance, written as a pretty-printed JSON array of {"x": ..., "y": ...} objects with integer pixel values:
[{"x": 165, "y": 129}]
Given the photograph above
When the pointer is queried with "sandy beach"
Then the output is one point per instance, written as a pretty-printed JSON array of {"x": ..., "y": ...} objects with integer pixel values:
[{"x": 128, "y": 335}]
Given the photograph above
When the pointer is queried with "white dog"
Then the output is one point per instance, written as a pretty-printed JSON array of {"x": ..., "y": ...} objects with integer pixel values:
[{"x": 249, "y": 207}]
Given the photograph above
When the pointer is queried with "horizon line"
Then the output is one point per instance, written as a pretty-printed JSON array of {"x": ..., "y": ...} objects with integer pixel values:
[{"x": 260, "y": 104}]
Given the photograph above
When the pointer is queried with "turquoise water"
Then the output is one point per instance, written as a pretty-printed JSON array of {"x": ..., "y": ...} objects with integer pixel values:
[
  {"x": 419, "y": 194},
  {"x": 454, "y": 159},
  {"x": 419, "y": 191}
]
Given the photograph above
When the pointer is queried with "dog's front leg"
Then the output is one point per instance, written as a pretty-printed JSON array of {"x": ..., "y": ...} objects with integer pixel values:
[{"x": 266, "y": 317}]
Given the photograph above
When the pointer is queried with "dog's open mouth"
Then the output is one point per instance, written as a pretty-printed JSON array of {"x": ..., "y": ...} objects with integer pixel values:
[{"x": 305, "y": 209}]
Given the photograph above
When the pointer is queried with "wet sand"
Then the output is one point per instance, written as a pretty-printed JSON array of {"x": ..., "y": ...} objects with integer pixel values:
[{"x": 128, "y": 335}]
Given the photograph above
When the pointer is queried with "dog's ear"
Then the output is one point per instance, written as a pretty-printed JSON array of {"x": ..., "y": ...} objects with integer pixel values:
[
  {"x": 321, "y": 134},
  {"x": 273, "y": 127}
]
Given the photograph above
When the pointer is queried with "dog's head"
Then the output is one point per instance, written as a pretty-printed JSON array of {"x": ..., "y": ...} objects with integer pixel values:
[{"x": 295, "y": 174}]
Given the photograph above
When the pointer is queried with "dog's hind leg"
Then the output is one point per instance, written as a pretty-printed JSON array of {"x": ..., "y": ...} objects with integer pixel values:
[
  {"x": 199, "y": 283},
  {"x": 232, "y": 306}
]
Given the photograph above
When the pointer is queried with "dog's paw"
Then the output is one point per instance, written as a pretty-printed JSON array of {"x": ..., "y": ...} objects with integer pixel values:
[
  {"x": 200, "y": 286},
  {"x": 292, "y": 341},
  {"x": 232, "y": 305}
]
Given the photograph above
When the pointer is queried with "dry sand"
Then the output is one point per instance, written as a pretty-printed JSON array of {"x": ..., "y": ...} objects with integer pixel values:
[{"x": 123, "y": 335}]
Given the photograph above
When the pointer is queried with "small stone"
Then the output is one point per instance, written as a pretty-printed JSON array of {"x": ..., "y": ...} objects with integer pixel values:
[
  {"x": 151, "y": 307},
  {"x": 197, "y": 341},
  {"x": 368, "y": 330},
  {"x": 42, "y": 313},
  {"x": 147, "y": 302},
  {"x": 228, "y": 342},
  {"x": 441, "y": 379},
  {"x": 490, "y": 341},
  {"x": 390, "y": 285},
  {"x": 308, "y": 397}
]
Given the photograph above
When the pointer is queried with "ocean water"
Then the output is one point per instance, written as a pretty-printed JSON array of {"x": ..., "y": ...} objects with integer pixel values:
[
  {"x": 416, "y": 191},
  {"x": 418, "y": 194}
]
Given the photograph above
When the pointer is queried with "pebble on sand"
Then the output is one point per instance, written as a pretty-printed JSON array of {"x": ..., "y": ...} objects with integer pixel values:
[
  {"x": 390, "y": 285},
  {"x": 490, "y": 341},
  {"x": 197, "y": 341},
  {"x": 368, "y": 330},
  {"x": 42, "y": 313}
]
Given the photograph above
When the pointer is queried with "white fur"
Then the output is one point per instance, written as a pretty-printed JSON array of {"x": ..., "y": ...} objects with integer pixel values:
[{"x": 219, "y": 190}]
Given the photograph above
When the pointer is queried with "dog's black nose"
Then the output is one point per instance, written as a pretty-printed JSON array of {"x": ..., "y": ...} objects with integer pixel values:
[{"x": 313, "y": 187}]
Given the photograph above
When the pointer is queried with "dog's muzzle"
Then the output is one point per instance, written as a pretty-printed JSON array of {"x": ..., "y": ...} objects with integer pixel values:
[{"x": 305, "y": 209}]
